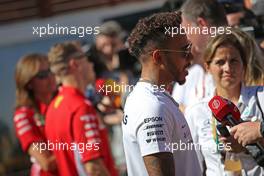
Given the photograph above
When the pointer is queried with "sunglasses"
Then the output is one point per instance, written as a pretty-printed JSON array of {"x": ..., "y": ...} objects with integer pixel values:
[
  {"x": 43, "y": 74},
  {"x": 186, "y": 51}
]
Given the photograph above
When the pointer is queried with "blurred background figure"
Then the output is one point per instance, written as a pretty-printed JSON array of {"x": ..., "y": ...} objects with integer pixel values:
[
  {"x": 254, "y": 75},
  {"x": 115, "y": 69},
  {"x": 246, "y": 15},
  {"x": 256, "y": 6},
  {"x": 198, "y": 14},
  {"x": 107, "y": 43},
  {"x": 35, "y": 85},
  {"x": 12, "y": 158},
  {"x": 236, "y": 12},
  {"x": 226, "y": 59},
  {"x": 239, "y": 16},
  {"x": 75, "y": 118}
]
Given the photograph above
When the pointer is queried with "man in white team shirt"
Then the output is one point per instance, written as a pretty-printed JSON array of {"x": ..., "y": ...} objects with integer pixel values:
[{"x": 156, "y": 136}]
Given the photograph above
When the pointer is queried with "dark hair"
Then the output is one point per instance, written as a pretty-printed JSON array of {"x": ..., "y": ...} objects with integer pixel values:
[
  {"x": 150, "y": 32},
  {"x": 211, "y": 10},
  {"x": 232, "y": 7}
]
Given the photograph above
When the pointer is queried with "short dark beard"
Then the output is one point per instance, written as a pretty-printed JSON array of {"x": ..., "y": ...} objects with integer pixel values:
[{"x": 181, "y": 82}]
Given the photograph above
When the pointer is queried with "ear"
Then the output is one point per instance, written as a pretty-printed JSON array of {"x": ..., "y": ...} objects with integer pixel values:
[
  {"x": 29, "y": 86},
  {"x": 156, "y": 57},
  {"x": 207, "y": 67},
  {"x": 202, "y": 22},
  {"x": 73, "y": 64}
]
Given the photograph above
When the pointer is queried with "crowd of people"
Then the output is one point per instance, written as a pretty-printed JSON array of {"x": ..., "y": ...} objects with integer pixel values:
[{"x": 74, "y": 113}]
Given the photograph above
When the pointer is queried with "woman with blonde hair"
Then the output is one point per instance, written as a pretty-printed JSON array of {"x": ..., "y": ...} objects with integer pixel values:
[
  {"x": 255, "y": 58},
  {"x": 225, "y": 58},
  {"x": 35, "y": 86}
]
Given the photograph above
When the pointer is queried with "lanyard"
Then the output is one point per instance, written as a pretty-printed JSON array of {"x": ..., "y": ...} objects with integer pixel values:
[{"x": 215, "y": 135}]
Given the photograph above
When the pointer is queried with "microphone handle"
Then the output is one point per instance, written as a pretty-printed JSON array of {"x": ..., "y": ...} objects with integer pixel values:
[
  {"x": 257, "y": 152},
  {"x": 231, "y": 120}
]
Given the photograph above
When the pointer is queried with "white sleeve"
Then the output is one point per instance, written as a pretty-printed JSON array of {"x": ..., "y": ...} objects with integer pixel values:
[
  {"x": 154, "y": 129},
  {"x": 192, "y": 118}
]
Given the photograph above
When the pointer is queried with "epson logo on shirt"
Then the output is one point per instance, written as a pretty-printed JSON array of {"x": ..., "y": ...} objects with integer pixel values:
[{"x": 152, "y": 119}]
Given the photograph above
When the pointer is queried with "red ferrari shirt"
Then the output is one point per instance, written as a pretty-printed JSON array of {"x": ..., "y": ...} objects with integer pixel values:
[
  {"x": 29, "y": 127},
  {"x": 74, "y": 133}
]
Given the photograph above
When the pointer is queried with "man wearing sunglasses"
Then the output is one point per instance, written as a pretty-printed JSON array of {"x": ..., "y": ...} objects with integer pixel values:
[{"x": 153, "y": 126}]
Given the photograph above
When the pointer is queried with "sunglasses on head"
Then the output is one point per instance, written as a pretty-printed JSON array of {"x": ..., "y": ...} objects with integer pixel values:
[{"x": 43, "y": 74}]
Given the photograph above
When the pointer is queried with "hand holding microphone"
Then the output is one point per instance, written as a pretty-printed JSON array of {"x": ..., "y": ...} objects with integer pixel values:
[
  {"x": 247, "y": 132},
  {"x": 227, "y": 113}
]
